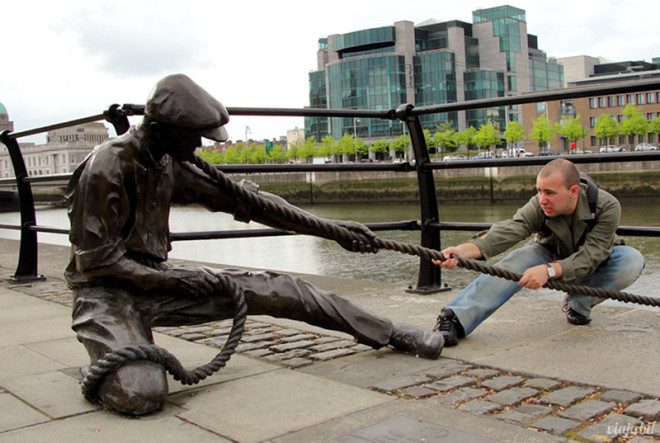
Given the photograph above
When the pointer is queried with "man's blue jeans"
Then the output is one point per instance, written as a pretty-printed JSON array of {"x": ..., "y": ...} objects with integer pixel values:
[{"x": 486, "y": 293}]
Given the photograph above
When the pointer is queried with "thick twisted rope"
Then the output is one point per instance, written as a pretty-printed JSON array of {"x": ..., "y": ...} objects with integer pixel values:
[
  {"x": 112, "y": 360},
  {"x": 343, "y": 234}
]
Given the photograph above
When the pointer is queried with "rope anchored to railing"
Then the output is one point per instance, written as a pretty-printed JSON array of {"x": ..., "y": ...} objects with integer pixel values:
[{"x": 342, "y": 233}]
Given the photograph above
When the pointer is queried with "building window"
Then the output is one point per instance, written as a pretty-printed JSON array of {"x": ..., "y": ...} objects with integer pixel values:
[
  {"x": 631, "y": 98},
  {"x": 619, "y": 118},
  {"x": 592, "y": 122},
  {"x": 649, "y": 116},
  {"x": 640, "y": 99},
  {"x": 601, "y": 102},
  {"x": 610, "y": 101},
  {"x": 592, "y": 103},
  {"x": 650, "y": 98},
  {"x": 593, "y": 140}
]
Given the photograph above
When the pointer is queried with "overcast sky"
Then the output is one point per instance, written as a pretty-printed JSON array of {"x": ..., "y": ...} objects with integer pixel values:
[{"x": 68, "y": 59}]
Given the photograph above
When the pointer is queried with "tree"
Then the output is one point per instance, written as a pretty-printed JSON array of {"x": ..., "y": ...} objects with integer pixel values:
[
  {"x": 446, "y": 139},
  {"x": 276, "y": 154},
  {"x": 571, "y": 128},
  {"x": 654, "y": 128},
  {"x": 487, "y": 135},
  {"x": 466, "y": 138},
  {"x": 380, "y": 148},
  {"x": 401, "y": 143},
  {"x": 633, "y": 122},
  {"x": 541, "y": 132},
  {"x": 514, "y": 132},
  {"x": 212, "y": 156},
  {"x": 326, "y": 148},
  {"x": 430, "y": 141},
  {"x": 605, "y": 128},
  {"x": 306, "y": 151}
]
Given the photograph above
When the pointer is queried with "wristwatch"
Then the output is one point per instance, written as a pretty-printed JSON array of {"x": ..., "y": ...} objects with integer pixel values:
[{"x": 551, "y": 271}]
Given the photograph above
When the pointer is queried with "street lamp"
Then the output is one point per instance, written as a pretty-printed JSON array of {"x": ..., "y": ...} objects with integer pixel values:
[
  {"x": 247, "y": 129},
  {"x": 355, "y": 122}
]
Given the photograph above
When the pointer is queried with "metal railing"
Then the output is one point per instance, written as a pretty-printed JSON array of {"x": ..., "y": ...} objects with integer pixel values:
[{"x": 429, "y": 276}]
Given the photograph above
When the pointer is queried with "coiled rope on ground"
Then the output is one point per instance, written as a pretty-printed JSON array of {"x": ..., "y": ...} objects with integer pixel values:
[{"x": 112, "y": 360}]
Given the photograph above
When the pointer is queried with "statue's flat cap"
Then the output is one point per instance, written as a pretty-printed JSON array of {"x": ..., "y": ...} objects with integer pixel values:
[{"x": 177, "y": 100}]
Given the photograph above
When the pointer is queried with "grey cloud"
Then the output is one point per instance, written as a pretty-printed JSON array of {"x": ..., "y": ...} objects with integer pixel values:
[{"x": 137, "y": 42}]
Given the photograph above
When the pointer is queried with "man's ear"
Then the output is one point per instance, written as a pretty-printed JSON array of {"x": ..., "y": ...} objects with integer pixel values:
[{"x": 575, "y": 190}]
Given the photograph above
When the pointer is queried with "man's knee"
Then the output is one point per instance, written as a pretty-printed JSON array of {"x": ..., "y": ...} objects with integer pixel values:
[
  {"x": 137, "y": 388},
  {"x": 629, "y": 264}
]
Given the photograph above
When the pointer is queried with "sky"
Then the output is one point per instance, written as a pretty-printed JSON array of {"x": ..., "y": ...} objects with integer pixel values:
[{"x": 69, "y": 59}]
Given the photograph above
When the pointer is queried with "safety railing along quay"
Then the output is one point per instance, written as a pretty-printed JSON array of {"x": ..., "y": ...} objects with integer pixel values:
[{"x": 429, "y": 277}]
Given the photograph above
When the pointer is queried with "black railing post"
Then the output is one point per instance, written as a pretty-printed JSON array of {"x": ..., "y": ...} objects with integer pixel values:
[
  {"x": 26, "y": 270},
  {"x": 429, "y": 279}
]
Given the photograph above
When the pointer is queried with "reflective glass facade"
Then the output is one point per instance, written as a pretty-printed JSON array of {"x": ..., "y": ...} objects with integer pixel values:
[
  {"x": 382, "y": 68},
  {"x": 317, "y": 126},
  {"x": 545, "y": 75},
  {"x": 366, "y": 83},
  {"x": 435, "y": 83},
  {"x": 481, "y": 84}
]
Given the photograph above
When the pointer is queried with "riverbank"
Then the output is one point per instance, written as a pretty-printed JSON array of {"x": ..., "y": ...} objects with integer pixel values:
[
  {"x": 489, "y": 185},
  {"x": 475, "y": 184}
]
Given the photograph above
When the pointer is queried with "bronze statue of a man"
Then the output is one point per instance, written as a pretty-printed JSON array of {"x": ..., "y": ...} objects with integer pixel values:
[{"x": 119, "y": 203}]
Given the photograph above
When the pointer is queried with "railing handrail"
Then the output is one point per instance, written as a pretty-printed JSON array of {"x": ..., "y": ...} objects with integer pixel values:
[{"x": 429, "y": 275}]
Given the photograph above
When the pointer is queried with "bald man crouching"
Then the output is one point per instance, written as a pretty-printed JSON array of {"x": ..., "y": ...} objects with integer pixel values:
[{"x": 573, "y": 224}]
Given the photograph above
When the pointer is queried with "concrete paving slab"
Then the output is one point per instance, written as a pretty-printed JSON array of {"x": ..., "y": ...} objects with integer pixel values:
[
  {"x": 19, "y": 361},
  {"x": 613, "y": 341},
  {"x": 32, "y": 309},
  {"x": 106, "y": 426},
  {"x": 192, "y": 355},
  {"x": 62, "y": 397},
  {"x": 67, "y": 351},
  {"x": 428, "y": 412},
  {"x": 278, "y": 402},
  {"x": 372, "y": 368},
  {"x": 16, "y": 414},
  {"x": 26, "y": 331}
]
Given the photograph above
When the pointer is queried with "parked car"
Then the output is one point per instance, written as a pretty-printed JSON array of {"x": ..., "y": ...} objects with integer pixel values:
[
  {"x": 610, "y": 148},
  {"x": 520, "y": 152},
  {"x": 645, "y": 147},
  {"x": 484, "y": 155},
  {"x": 449, "y": 158},
  {"x": 581, "y": 151}
]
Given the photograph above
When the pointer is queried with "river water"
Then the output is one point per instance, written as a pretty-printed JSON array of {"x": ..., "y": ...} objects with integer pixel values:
[{"x": 313, "y": 255}]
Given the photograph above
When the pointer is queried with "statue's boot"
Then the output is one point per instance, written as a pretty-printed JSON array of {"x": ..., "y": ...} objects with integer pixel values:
[{"x": 415, "y": 340}]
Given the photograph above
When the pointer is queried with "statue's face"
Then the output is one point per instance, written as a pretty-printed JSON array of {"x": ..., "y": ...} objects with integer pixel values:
[{"x": 178, "y": 142}]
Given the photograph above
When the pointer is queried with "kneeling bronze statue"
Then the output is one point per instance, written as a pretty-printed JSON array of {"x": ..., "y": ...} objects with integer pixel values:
[{"x": 119, "y": 202}]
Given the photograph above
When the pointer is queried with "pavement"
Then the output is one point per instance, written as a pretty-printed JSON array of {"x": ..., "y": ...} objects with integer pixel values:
[{"x": 524, "y": 375}]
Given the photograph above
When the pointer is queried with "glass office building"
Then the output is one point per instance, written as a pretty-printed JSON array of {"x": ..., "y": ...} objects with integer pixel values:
[{"x": 428, "y": 64}]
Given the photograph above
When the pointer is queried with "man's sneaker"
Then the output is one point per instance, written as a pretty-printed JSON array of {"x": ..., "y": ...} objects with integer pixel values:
[
  {"x": 574, "y": 317},
  {"x": 415, "y": 340},
  {"x": 448, "y": 326}
]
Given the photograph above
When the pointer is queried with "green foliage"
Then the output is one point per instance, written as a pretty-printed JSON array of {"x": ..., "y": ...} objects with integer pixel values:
[
  {"x": 213, "y": 156},
  {"x": 466, "y": 137},
  {"x": 346, "y": 145},
  {"x": 430, "y": 141},
  {"x": 514, "y": 132},
  {"x": 401, "y": 143},
  {"x": 446, "y": 139},
  {"x": 541, "y": 130},
  {"x": 605, "y": 127},
  {"x": 571, "y": 128},
  {"x": 633, "y": 122},
  {"x": 276, "y": 154},
  {"x": 307, "y": 149},
  {"x": 487, "y": 135},
  {"x": 380, "y": 146},
  {"x": 654, "y": 126}
]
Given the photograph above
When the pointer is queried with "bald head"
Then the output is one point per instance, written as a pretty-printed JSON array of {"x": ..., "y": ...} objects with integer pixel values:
[{"x": 569, "y": 173}]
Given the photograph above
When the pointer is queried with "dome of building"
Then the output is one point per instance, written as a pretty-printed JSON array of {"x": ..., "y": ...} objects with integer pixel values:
[{"x": 3, "y": 110}]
